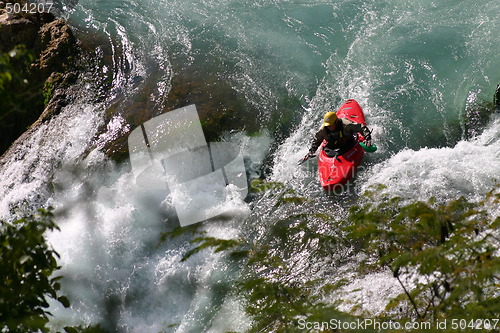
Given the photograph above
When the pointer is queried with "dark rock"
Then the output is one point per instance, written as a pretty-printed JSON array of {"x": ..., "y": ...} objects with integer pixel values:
[
  {"x": 477, "y": 114},
  {"x": 40, "y": 89},
  {"x": 57, "y": 47},
  {"x": 21, "y": 28},
  {"x": 14, "y": 31},
  {"x": 220, "y": 107}
]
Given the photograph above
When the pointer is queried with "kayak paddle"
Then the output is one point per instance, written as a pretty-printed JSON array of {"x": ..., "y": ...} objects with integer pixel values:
[
  {"x": 305, "y": 158},
  {"x": 368, "y": 149}
]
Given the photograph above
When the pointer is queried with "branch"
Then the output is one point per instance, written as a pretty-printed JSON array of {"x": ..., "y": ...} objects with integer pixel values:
[
  {"x": 412, "y": 301},
  {"x": 431, "y": 302}
]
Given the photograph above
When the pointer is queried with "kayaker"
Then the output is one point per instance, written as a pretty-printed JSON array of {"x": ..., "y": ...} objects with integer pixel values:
[{"x": 339, "y": 134}]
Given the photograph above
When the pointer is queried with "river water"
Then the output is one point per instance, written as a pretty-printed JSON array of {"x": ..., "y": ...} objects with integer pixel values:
[{"x": 423, "y": 72}]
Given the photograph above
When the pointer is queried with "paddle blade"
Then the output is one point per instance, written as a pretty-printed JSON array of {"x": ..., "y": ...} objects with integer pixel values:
[
  {"x": 302, "y": 160},
  {"x": 368, "y": 149},
  {"x": 305, "y": 158}
]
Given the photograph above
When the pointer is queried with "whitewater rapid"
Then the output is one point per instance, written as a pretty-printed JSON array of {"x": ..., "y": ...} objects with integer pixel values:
[{"x": 411, "y": 66}]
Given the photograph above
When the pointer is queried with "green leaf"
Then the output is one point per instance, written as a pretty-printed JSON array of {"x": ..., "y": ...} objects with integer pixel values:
[
  {"x": 64, "y": 301},
  {"x": 28, "y": 262}
]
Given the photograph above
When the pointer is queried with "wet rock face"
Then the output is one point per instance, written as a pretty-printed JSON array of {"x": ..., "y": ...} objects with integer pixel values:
[
  {"x": 58, "y": 46},
  {"x": 53, "y": 48},
  {"x": 220, "y": 108},
  {"x": 49, "y": 38},
  {"x": 21, "y": 28},
  {"x": 16, "y": 30},
  {"x": 478, "y": 113}
]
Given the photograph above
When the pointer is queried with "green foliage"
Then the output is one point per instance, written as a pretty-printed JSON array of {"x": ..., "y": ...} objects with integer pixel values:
[
  {"x": 13, "y": 77},
  {"x": 282, "y": 283},
  {"x": 28, "y": 263},
  {"x": 443, "y": 255},
  {"x": 259, "y": 185},
  {"x": 193, "y": 229},
  {"x": 49, "y": 87},
  {"x": 20, "y": 97},
  {"x": 88, "y": 329},
  {"x": 210, "y": 242},
  {"x": 275, "y": 286},
  {"x": 283, "y": 194},
  {"x": 278, "y": 283}
]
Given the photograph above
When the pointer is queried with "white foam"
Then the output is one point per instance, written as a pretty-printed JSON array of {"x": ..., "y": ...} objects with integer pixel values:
[
  {"x": 110, "y": 230},
  {"x": 231, "y": 318},
  {"x": 470, "y": 169},
  {"x": 368, "y": 295},
  {"x": 27, "y": 173}
]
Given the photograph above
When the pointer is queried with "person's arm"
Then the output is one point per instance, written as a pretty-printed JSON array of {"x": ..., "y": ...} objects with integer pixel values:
[
  {"x": 367, "y": 134},
  {"x": 352, "y": 127},
  {"x": 318, "y": 139}
]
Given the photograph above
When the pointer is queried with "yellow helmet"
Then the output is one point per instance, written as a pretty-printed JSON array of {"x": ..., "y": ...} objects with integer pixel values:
[{"x": 330, "y": 118}]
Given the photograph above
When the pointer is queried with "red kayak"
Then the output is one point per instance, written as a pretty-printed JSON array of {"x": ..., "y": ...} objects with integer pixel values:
[{"x": 337, "y": 171}]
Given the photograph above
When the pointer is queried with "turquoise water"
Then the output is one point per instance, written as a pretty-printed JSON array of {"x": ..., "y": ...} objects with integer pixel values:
[
  {"x": 415, "y": 67},
  {"x": 417, "y": 62}
]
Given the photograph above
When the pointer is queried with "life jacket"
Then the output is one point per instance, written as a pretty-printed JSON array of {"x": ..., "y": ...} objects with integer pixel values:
[{"x": 337, "y": 138}]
